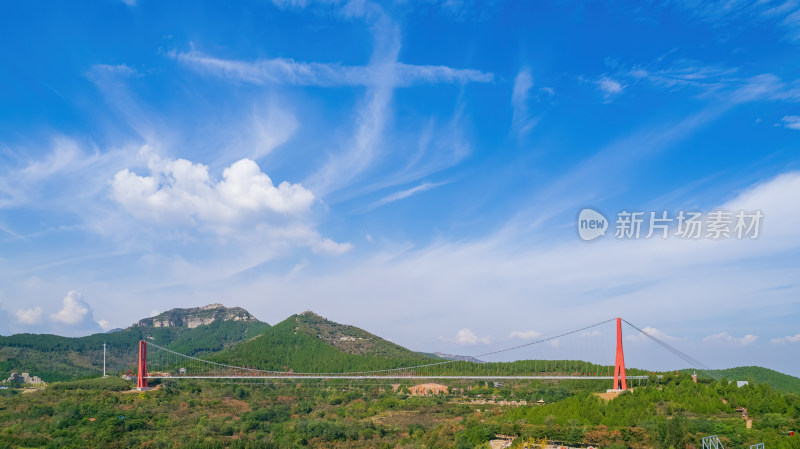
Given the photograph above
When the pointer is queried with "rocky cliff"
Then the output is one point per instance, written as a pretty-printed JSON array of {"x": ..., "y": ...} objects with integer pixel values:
[{"x": 196, "y": 316}]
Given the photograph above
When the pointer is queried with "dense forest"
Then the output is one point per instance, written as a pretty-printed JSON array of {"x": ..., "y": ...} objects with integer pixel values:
[{"x": 672, "y": 412}]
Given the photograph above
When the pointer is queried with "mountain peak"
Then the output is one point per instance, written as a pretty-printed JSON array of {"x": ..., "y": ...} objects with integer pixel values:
[
  {"x": 347, "y": 338},
  {"x": 196, "y": 316}
]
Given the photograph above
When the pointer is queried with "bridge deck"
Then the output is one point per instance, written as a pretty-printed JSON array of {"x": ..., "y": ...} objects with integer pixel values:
[{"x": 323, "y": 377}]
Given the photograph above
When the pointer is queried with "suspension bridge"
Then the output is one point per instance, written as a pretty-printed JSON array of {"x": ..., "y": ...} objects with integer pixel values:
[{"x": 536, "y": 360}]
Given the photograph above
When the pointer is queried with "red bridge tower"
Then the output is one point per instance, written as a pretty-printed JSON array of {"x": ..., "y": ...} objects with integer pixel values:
[
  {"x": 620, "y": 381},
  {"x": 141, "y": 379}
]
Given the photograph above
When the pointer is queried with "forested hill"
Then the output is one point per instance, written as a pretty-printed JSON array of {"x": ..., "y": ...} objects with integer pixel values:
[
  {"x": 53, "y": 357},
  {"x": 779, "y": 381},
  {"x": 310, "y": 343}
]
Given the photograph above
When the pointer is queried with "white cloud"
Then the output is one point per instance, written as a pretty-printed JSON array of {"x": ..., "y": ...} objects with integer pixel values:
[
  {"x": 593, "y": 333},
  {"x": 272, "y": 130},
  {"x": 787, "y": 339},
  {"x": 46, "y": 182},
  {"x": 711, "y": 81},
  {"x": 181, "y": 192},
  {"x": 104, "y": 324},
  {"x": 106, "y": 69},
  {"x": 521, "y": 121},
  {"x": 74, "y": 309},
  {"x": 403, "y": 194},
  {"x": 29, "y": 316},
  {"x": 289, "y": 71},
  {"x": 329, "y": 248},
  {"x": 726, "y": 337},
  {"x": 467, "y": 337},
  {"x": 778, "y": 200},
  {"x": 640, "y": 337},
  {"x": 783, "y": 15},
  {"x": 609, "y": 87},
  {"x": 791, "y": 122},
  {"x": 525, "y": 335}
]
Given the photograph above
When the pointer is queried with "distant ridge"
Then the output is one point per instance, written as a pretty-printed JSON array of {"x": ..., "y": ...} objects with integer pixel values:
[{"x": 462, "y": 358}]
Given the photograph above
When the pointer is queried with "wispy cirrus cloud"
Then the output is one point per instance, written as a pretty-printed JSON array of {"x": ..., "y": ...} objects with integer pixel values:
[
  {"x": 349, "y": 160},
  {"x": 791, "y": 122},
  {"x": 609, "y": 87},
  {"x": 403, "y": 194},
  {"x": 521, "y": 122},
  {"x": 297, "y": 73},
  {"x": 784, "y": 15},
  {"x": 708, "y": 80}
]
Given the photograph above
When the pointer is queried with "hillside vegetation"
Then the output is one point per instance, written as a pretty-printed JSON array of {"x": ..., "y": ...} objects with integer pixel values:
[
  {"x": 669, "y": 413},
  {"x": 779, "y": 381},
  {"x": 308, "y": 343},
  {"x": 55, "y": 358}
]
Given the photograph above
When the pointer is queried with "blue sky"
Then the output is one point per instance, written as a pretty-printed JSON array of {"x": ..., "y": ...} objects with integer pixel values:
[{"x": 413, "y": 168}]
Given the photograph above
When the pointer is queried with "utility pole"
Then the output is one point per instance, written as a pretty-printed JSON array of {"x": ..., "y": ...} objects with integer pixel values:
[{"x": 104, "y": 359}]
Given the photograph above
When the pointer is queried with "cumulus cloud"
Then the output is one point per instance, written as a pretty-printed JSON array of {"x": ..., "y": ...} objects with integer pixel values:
[
  {"x": 727, "y": 338},
  {"x": 525, "y": 335},
  {"x": 465, "y": 336},
  {"x": 104, "y": 324},
  {"x": 787, "y": 339},
  {"x": 791, "y": 122},
  {"x": 74, "y": 309},
  {"x": 244, "y": 204},
  {"x": 179, "y": 191},
  {"x": 30, "y": 316}
]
